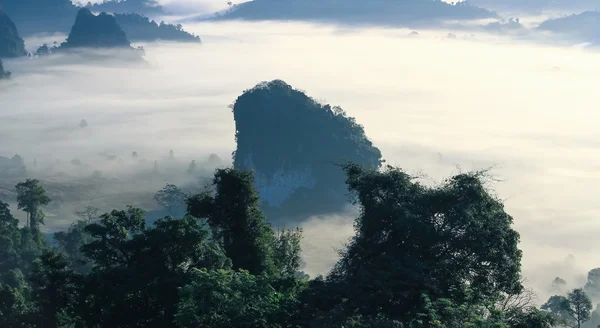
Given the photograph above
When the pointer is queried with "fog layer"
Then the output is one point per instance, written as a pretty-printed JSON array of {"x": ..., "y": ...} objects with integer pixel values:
[{"x": 429, "y": 103}]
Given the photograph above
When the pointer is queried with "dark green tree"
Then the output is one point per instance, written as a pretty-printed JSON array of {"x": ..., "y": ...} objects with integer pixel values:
[
  {"x": 140, "y": 271},
  {"x": 412, "y": 240},
  {"x": 171, "y": 198},
  {"x": 287, "y": 253},
  {"x": 226, "y": 298},
  {"x": 580, "y": 307},
  {"x": 571, "y": 311},
  {"x": 592, "y": 285},
  {"x": 71, "y": 241},
  {"x": 9, "y": 240},
  {"x": 13, "y": 307},
  {"x": 54, "y": 291},
  {"x": 233, "y": 213},
  {"x": 31, "y": 196},
  {"x": 111, "y": 235}
]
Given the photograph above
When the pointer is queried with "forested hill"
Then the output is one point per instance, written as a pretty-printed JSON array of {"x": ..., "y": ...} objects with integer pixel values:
[{"x": 376, "y": 12}]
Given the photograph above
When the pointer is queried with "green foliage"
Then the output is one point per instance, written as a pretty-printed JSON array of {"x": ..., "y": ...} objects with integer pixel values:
[
  {"x": 9, "y": 240},
  {"x": 71, "y": 241},
  {"x": 422, "y": 257},
  {"x": 54, "y": 291},
  {"x": 237, "y": 222},
  {"x": 140, "y": 271},
  {"x": 592, "y": 285},
  {"x": 572, "y": 310},
  {"x": 31, "y": 196},
  {"x": 580, "y": 306},
  {"x": 287, "y": 253},
  {"x": 413, "y": 240},
  {"x": 170, "y": 197},
  {"x": 111, "y": 236},
  {"x": 226, "y": 298},
  {"x": 13, "y": 307}
]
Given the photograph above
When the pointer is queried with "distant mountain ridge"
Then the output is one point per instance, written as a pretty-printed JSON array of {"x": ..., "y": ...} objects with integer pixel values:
[
  {"x": 141, "y": 28},
  {"x": 584, "y": 26},
  {"x": 537, "y": 6},
  {"x": 128, "y": 6},
  {"x": 51, "y": 16},
  {"x": 376, "y": 12}
]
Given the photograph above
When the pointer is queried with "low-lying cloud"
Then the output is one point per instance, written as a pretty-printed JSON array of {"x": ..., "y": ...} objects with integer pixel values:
[{"x": 430, "y": 103}]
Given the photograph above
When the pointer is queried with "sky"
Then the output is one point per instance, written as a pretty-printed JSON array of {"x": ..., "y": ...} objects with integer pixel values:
[{"x": 433, "y": 105}]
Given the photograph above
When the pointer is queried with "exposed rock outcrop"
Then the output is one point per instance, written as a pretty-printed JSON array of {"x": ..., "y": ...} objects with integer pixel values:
[
  {"x": 295, "y": 146},
  {"x": 11, "y": 44}
]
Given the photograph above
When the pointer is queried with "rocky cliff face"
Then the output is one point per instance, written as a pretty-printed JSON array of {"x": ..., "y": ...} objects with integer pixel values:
[
  {"x": 90, "y": 31},
  {"x": 11, "y": 44},
  {"x": 295, "y": 146}
]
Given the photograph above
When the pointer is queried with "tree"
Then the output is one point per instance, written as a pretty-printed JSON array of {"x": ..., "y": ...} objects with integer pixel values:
[
  {"x": 31, "y": 196},
  {"x": 54, "y": 287},
  {"x": 513, "y": 306},
  {"x": 532, "y": 318},
  {"x": 191, "y": 168},
  {"x": 9, "y": 240},
  {"x": 287, "y": 252},
  {"x": 580, "y": 306},
  {"x": 237, "y": 222},
  {"x": 71, "y": 241},
  {"x": 226, "y": 298},
  {"x": 170, "y": 197},
  {"x": 592, "y": 286},
  {"x": 412, "y": 240},
  {"x": 89, "y": 214},
  {"x": 143, "y": 272},
  {"x": 13, "y": 307},
  {"x": 558, "y": 284},
  {"x": 572, "y": 311},
  {"x": 111, "y": 235}
]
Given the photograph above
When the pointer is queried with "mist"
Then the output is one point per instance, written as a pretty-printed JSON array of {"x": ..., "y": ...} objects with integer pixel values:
[{"x": 433, "y": 105}]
